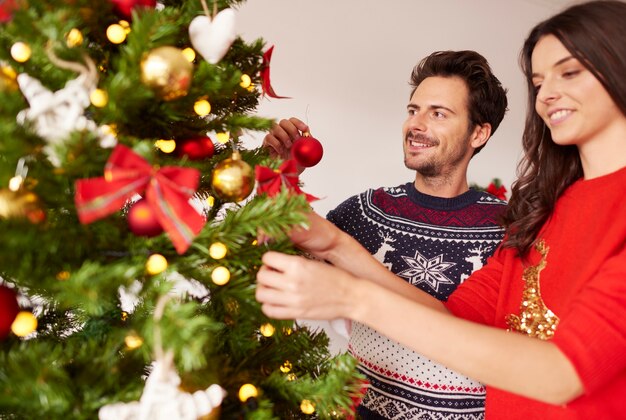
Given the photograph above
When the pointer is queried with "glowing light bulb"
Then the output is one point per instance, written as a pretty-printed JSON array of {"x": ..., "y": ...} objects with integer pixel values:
[
  {"x": 307, "y": 407},
  {"x": 116, "y": 33},
  {"x": 246, "y": 81},
  {"x": 247, "y": 391},
  {"x": 166, "y": 146},
  {"x": 156, "y": 264},
  {"x": 220, "y": 275},
  {"x": 74, "y": 38},
  {"x": 21, "y": 52},
  {"x": 189, "y": 54},
  {"x": 99, "y": 98},
  {"x": 25, "y": 323},
  {"x": 133, "y": 341},
  {"x": 217, "y": 250},
  {"x": 222, "y": 138},
  {"x": 202, "y": 107},
  {"x": 267, "y": 330}
]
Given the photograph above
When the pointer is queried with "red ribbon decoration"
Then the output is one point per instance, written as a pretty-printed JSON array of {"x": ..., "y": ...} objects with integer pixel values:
[
  {"x": 266, "y": 85},
  {"x": 7, "y": 7},
  {"x": 167, "y": 190},
  {"x": 271, "y": 181},
  {"x": 498, "y": 190}
]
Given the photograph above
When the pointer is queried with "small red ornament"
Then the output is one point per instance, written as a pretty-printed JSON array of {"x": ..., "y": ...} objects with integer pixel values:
[
  {"x": 496, "y": 188},
  {"x": 7, "y": 7},
  {"x": 125, "y": 7},
  {"x": 196, "y": 149},
  {"x": 8, "y": 310},
  {"x": 307, "y": 151},
  {"x": 142, "y": 220}
]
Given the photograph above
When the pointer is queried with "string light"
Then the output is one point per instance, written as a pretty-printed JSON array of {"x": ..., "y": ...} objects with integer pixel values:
[
  {"x": 217, "y": 250},
  {"x": 116, "y": 33},
  {"x": 202, "y": 107},
  {"x": 307, "y": 407},
  {"x": 74, "y": 38},
  {"x": 166, "y": 146},
  {"x": 63, "y": 275},
  {"x": 99, "y": 98},
  {"x": 286, "y": 367},
  {"x": 25, "y": 323},
  {"x": 245, "y": 81},
  {"x": 156, "y": 264},
  {"x": 267, "y": 330},
  {"x": 247, "y": 391},
  {"x": 21, "y": 52},
  {"x": 222, "y": 138},
  {"x": 133, "y": 341},
  {"x": 189, "y": 54},
  {"x": 220, "y": 275},
  {"x": 124, "y": 24}
]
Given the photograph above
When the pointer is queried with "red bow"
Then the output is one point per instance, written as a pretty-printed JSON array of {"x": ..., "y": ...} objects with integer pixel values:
[
  {"x": 271, "y": 181},
  {"x": 266, "y": 85},
  {"x": 498, "y": 190},
  {"x": 7, "y": 7},
  {"x": 167, "y": 190}
]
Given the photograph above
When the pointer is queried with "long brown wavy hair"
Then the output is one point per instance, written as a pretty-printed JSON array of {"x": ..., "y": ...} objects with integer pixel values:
[{"x": 594, "y": 33}]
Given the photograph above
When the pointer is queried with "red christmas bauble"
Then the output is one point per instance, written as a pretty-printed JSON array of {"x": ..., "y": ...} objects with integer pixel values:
[
  {"x": 7, "y": 7},
  {"x": 196, "y": 149},
  {"x": 124, "y": 7},
  {"x": 8, "y": 310},
  {"x": 142, "y": 220},
  {"x": 307, "y": 151}
]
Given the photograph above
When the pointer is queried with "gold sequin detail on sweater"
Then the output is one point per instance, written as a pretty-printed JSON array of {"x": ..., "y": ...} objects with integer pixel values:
[{"x": 535, "y": 319}]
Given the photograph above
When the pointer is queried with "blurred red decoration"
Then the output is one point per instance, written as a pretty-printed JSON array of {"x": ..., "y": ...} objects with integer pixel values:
[
  {"x": 496, "y": 188},
  {"x": 6, "y": 10},
  {"x": 125, "y": 7},
  {"x": 8, "y": 310},
  {"x": 196, "y": 149},
  {"x": 307, "y": 151},
  {"x": 142, "y": 220}
]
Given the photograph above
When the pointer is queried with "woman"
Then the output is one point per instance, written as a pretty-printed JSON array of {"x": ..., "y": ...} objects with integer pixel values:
[{"x": 543, "y": 324}]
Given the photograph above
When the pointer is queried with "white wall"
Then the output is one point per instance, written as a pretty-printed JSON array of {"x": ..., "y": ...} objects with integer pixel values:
[{"x": 346, "y": 65}]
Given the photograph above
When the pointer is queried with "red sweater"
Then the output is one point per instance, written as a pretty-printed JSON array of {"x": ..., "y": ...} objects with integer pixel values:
[{"x": 583, "y": 283}]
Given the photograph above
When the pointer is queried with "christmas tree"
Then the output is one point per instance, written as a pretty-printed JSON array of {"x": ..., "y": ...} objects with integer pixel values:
[{"x": 131, "y": 231}]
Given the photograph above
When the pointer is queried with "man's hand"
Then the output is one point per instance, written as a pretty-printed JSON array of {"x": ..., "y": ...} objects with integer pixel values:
[{"x": 281, "y": 137}]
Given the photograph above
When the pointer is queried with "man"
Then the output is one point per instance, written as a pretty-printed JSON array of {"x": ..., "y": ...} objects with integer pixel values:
[{"x": 432, "y": 232}]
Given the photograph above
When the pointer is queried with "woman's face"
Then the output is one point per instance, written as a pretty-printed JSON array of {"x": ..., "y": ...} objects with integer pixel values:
[{"x": 570, "y": 100}]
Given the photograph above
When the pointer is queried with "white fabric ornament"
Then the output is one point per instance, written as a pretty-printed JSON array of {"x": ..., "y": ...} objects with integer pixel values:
[
  {"x": 163, "y": 400},
  {"x": 213, "y": 38},
  {"x": 57, "y": 114}
]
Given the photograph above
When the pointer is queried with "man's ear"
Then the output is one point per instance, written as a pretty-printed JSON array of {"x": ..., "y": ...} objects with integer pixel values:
[{"x": 480, "y": 135}]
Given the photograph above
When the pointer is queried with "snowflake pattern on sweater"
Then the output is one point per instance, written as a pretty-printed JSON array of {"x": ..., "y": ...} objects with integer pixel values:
[{"x": 433, "y": 243}]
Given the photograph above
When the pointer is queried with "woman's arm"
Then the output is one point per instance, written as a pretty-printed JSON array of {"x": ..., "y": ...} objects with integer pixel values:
[
  {"x": 326, "y": 241},
  {"x": 293, "y": 287}
]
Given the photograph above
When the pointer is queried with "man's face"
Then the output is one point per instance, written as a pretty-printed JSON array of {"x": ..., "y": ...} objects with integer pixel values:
[{"x": 437, "y": 129}]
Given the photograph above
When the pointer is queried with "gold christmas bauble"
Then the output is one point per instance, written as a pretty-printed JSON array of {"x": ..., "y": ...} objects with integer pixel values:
[
  {"x": 20, "y": 204},
  {"x": 8, "y": 78},
  {"x": 25, "y": 323},
  {"x": 233, "y": 179},
  {"x": 166, "y": 71}
]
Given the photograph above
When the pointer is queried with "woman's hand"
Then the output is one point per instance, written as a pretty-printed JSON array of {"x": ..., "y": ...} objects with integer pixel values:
[{"x": 292, "y": 287}]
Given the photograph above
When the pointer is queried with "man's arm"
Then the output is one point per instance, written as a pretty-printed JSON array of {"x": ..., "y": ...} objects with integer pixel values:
[
  {"x": 327, "y": 242},
  {"x": 292, "y": 287}
]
